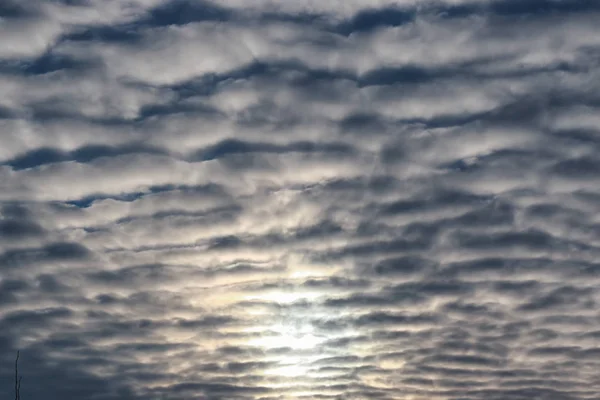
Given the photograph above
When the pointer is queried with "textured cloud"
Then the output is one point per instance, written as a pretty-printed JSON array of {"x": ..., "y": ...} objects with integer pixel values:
[{"x": 363, "y": 199}]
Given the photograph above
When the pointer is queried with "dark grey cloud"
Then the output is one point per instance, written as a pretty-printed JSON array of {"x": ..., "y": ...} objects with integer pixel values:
[
  {"x": 19, "y": 228},
  {"x": 86, "y": 154},
  {"x": 53, "y": 252},
  {"x": 284, "y": 200}
]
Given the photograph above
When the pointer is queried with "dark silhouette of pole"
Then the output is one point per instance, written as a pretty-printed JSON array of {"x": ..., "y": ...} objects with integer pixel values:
[{"x": 17, "y": 379}]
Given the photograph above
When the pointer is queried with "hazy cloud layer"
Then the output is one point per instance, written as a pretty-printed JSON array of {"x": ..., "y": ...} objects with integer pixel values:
[{"x": 257, "y": 199}]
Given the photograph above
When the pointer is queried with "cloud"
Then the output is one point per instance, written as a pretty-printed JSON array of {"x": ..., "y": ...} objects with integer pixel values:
[{"x": 263, "y": 200}]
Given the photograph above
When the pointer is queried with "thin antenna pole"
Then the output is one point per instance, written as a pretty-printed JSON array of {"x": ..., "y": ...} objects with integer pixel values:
[{"x": 17, "y": 379}]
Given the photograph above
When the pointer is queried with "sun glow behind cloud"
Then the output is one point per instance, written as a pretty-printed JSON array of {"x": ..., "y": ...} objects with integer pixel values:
[{"x": 291, "y": 331}]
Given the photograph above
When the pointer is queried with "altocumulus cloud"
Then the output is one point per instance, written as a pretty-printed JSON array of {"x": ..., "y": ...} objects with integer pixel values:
[{"x": 258, "y": 199}]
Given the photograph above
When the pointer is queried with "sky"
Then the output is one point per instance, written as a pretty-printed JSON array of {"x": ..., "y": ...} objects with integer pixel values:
[{"x": 300, "y": 199}]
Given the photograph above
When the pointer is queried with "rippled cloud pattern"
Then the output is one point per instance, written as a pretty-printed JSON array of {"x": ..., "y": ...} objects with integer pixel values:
[{"x": 300, "y": 199}]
